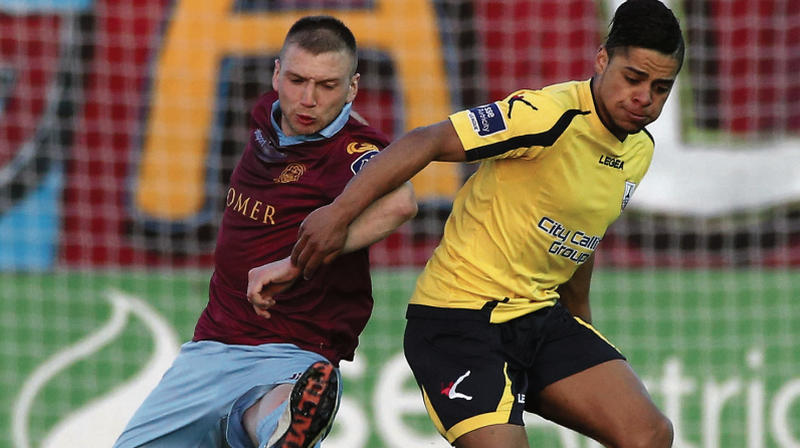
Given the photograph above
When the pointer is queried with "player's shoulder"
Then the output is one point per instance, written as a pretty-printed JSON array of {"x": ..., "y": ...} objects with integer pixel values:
[
  {"x": 649, "y": 136},
  {"x": 265, "y": 100},
  {"x": 536, "y": 110},
  {"x": 642, "y": 139},
  {"x": 358, "y": 130},
  {"x": 261, "y": 108},
  {"x": 355, "y": 144},
  {"x": 559, "y": 96},
  {"x": 641, "y": 143}
]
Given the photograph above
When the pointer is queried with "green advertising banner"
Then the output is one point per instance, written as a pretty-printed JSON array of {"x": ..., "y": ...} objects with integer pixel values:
[{"x": 717, "y": 350}]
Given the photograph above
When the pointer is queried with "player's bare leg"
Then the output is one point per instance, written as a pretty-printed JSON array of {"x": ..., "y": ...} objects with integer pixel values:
[
  {"x": 263, "y": 407},
  {"x": 311, "y": 407},
  {"x": 608, "y": 403},
  {"x": 510, "y": 436}
]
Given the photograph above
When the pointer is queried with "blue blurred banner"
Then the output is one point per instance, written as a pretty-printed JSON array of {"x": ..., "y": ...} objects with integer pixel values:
[{"x": 30, "y": 6}]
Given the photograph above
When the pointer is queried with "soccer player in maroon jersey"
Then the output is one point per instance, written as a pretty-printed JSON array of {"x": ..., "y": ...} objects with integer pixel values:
[{"x": 261, "y": 369}]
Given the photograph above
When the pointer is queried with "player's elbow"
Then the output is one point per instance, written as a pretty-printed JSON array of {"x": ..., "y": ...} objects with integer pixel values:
[{"x": 405, "y": 203}]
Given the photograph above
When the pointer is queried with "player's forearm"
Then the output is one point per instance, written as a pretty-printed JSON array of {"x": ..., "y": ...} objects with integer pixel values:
[
  {"x": 577, "y": 306},
  {"x": 395, "y": 165},
  {"x": 381, "y": 218},
  {"x": 574, "y": 294}
]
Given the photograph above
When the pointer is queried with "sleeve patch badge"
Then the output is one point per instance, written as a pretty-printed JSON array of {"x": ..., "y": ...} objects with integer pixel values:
[
  {"x": 356, "y": 147},
  {"x": 487, "y": 119},
  {"x": 362, "y": 160},
  {"x": 630, "y": 187}
]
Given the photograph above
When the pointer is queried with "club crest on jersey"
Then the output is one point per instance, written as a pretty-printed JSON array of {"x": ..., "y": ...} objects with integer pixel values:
[
  {"x": 362, "y": 160},
  {"x": 291, "y": 173},
  {"x": 630, "y": 187},
  {"x": 356, "y": 147},
  {"x": 487, "y": 119}
]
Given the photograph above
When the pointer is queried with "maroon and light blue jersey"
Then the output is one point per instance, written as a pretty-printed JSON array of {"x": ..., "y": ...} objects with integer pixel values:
[{"x": 271, "y": 191}]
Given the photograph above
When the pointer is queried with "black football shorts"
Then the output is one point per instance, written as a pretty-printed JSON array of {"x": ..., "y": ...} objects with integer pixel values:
[{"x": 473, "y": 373}]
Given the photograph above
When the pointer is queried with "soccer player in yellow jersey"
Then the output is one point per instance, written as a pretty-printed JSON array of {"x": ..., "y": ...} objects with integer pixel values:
[{"x": 500, "y": 321}]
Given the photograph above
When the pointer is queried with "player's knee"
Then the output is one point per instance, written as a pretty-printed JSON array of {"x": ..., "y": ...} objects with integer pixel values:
[
  {"x": 667, "y": 432},
  {"x": 658, "y": 433}
]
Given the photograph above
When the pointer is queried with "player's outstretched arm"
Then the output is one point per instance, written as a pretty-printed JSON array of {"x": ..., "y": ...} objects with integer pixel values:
[
  {"x": 323, "y": 233},
  {"x": 574, "y": 293},
  {"x": 379, "y": 220}
]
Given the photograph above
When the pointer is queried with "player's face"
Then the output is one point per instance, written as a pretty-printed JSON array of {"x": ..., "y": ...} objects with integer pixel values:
[
  {"x": 312, "y": 89},
  {"x": 631, "y": 87}
]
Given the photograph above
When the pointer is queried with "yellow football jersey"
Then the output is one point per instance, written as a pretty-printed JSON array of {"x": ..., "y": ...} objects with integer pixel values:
[{"x": 552, "y": 179}]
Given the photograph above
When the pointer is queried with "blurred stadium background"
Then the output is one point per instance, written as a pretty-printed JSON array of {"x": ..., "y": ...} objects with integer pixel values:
[{"x": 121, "y": 120}]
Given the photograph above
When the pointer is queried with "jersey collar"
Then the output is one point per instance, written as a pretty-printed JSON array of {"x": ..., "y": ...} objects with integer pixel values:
[
  {"x": 587, "y": 90},
  {"x": 329, "y": 131}
]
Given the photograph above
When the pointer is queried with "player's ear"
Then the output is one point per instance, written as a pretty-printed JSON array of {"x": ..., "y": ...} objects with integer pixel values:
[
  {"x": 601, "y": 60},
  {"x": 352, "y": 89},
  {"x": 275, "y": 73}
]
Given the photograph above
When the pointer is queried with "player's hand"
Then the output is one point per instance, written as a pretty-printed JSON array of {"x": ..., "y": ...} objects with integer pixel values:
[
  {"x": 267, "y": 280},
  {"x": 321, "y": 238}
]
